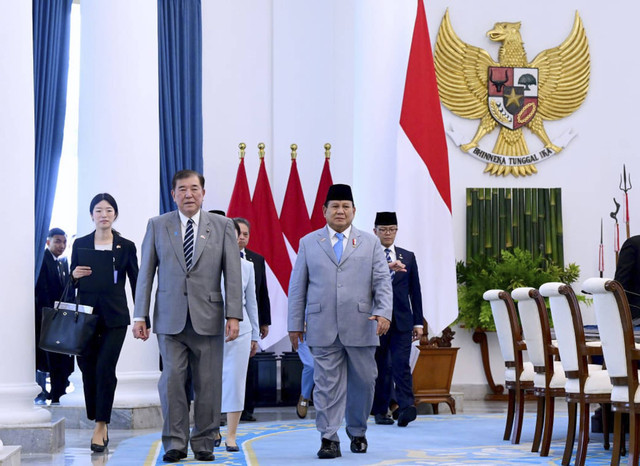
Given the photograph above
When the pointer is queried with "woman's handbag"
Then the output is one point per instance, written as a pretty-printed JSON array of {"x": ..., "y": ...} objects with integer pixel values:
[{"x": 67, "y": 328}]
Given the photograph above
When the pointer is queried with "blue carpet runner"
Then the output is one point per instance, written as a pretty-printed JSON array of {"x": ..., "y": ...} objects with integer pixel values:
[{"x": 439, "y": 439}]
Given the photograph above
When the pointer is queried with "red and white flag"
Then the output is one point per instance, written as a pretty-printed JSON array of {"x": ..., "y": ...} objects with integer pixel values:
[
  {"x": 267, "y": 239},
  {"x": 240, "y": 203},
  {"x": 294, "y": 217},
  {"x": 423, "y": 189},
  {"x": 317, "y": 218}
]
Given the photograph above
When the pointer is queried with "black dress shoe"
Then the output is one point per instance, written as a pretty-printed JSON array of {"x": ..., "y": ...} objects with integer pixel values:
[
  {"x": 204, "y": 456},
  {"x": 383, "y": 419},
  {"x": 358, "y": 444},
  {"x": 231, "y": 447},
  {"x": 173, "y": 456},
  {"x": 248, "y": 417},
  {"x": 407, "y": 415},
  {"x": 329, "y": 449}
]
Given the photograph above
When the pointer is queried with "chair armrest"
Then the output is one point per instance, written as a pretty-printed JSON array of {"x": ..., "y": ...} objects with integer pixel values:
[{"x": 591, "y": 350}]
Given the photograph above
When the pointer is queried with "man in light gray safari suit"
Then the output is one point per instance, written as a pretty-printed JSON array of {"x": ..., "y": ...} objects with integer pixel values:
[
  {"x": 190, "y": 249},
  {"x": 341, "y": 284}
]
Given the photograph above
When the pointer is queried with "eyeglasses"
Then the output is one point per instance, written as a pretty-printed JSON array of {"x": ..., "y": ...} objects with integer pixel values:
[{"x": 385, "y": 230}]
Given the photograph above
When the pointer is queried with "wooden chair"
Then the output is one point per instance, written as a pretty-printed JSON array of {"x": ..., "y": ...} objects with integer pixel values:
[
  {"x": 621, "y": 356},
  {"x": 549, "y": 379},
  {"x": 518, "y": 374},
  {"x": 586, "y": 383}
]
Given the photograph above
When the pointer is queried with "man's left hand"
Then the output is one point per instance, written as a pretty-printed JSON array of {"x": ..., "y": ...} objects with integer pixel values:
[
  {"x": 232, "y": 329},
  {"x": 383, "y": 324},
  {"x": 417, "y": 333},
  {"x": 264, "y": 331}
]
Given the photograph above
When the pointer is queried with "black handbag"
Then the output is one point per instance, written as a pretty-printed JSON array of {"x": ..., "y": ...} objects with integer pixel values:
[{"x": 65, "y": 328}]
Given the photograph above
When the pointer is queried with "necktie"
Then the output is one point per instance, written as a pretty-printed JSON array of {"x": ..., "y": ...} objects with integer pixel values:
[
  {"x": 387, "y": 251},
  {"x": 188, "y": 244},
  {"x": 337, "y": 248},
  {"x": 241, "y": 255},
  {"x": 60, "y": 270}
]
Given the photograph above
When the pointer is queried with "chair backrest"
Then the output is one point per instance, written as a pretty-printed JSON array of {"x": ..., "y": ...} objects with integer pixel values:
[
  {"x": 615, "y": 327},
  {"x": 507, "y": 327},
  {"x": 569, "y": 330},
  {"x": 535, "y": 326}
]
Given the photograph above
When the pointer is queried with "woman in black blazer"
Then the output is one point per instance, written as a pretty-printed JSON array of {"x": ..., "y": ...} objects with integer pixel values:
[{"x": 98, "y": 363}]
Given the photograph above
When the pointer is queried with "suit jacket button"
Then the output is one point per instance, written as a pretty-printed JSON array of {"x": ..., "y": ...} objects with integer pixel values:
[
  {"x": 185, "y": 293},
  {"x": 188, "y": 276}
]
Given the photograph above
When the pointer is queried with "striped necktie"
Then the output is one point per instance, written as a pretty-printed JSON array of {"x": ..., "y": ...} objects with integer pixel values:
[
  {"x": 188, "y": 244},
  {"x": 387, "y": 252},
  {"x": 337, "y": 248}
]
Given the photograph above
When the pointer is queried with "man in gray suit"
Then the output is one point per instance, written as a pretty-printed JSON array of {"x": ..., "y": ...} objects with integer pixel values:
[
  {"x": 341, "y": 282},
  {"x": 190, "y": 249}
]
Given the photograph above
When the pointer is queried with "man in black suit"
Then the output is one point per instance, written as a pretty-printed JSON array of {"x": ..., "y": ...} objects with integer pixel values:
[
  {"x": 52, "y": 279},
  {"x": 392, "y": 356},
  {"x": 628, "y": 273},
  {"x": 264, "y": 313}
]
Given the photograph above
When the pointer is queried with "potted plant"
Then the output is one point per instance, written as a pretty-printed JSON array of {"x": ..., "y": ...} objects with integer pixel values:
[{"x": 515, "y": 269}]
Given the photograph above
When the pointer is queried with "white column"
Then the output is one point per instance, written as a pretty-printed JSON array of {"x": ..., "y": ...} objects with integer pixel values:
[
  {"x": 17, "y": 350},
  {"x": 118, "y": 149}
]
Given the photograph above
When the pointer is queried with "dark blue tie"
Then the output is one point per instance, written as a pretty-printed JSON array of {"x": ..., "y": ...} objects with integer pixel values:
[
  {"x": 387, "y": 251},
  {"x": 241, "y": 255},
  {"x": 337, "y": 248}
]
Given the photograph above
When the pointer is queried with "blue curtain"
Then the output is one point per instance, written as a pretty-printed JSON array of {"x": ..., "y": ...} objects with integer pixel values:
[
  {"x": 51, "y": 26},
  {"x": 180, "y": 82}
]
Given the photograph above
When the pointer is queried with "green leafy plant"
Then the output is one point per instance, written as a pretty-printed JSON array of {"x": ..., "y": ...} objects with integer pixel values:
[{"x": 514, "y": 270}]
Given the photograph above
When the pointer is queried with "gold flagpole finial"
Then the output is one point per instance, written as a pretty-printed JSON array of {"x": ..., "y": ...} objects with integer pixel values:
[
  {"x": 242, "y": 147},
  {"x": 327, "y": 151},
  {"x": 261, "y": 150},
  {"x": 294, "y": 149}
]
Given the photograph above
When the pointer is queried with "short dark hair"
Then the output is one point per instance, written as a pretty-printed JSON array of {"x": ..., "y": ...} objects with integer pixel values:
[
  {"x": 103, "y": 197},
  {"x": 55, "y": 232},
  {"x": 182, "y": 174},
  {"x": 237, "y": 225},
  {"x": 243, "y": 221}
]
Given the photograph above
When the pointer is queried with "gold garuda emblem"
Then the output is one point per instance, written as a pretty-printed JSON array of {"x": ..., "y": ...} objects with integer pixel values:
[{"x": 512, "y": 93}]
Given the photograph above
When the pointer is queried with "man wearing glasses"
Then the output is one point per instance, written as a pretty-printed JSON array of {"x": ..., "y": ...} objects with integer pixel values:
[{"x": 392, "y": 356}]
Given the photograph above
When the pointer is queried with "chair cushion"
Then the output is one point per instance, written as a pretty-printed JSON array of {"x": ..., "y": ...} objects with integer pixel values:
[
  {"x": 597, "y": 382},
  {"x": 526, "y": 375},
  {"x": 620, "y": 394},
  {"x": 557, "y": 381}
]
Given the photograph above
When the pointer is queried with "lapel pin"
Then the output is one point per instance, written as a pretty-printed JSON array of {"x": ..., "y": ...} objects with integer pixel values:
[
  {"x": 202, "y": 236},
  {"x": 118, "y": 246},
  {"x": 354, "y": 242},
  {"x": 322, "y": 239},
  {"x": 175, "y": 233},
  {"x": 400, "y": 256}
]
